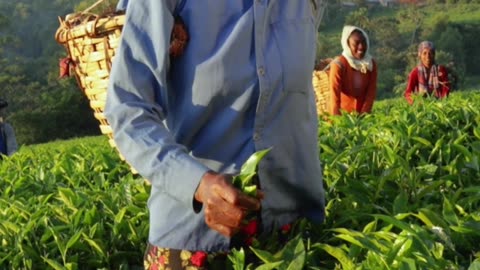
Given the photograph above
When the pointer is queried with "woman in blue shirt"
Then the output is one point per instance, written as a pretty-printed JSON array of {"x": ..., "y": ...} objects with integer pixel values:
[{"x": 242, "y": 84}]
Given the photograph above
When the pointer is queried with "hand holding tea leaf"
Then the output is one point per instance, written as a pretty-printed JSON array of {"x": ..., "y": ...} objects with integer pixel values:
[
  {"x": 246, "y": 182},
  {"x": 245, "y": 179},
  {"x": 226, "y": 206}
]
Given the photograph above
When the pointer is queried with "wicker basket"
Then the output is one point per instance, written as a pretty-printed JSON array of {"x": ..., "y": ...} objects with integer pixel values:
[
  {"x": 322, "y": 93},
  {"x": 90, "y": 42},
  {"x": 320, "y": 83}
]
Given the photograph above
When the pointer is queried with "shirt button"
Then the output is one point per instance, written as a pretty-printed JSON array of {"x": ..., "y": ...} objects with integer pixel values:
[
  {"x": 256, "y": 136},
  {"x": 261, "y": 71}
]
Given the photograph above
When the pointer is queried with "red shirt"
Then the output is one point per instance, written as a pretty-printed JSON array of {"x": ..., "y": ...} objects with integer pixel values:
[{"x": 412, "y": 86}]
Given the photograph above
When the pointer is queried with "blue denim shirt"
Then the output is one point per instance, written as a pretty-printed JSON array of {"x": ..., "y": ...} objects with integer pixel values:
[{"x": 243, "y": 84}]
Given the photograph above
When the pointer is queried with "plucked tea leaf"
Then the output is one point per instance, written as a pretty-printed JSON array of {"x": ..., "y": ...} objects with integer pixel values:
[{"x": 250, "y": 166}]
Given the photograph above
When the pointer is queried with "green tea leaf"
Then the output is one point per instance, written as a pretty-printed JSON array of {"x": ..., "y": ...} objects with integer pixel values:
[
  {"x": 339, "y": 254},
  {"x": 476, "y": 132},
  {"x": 475, "y": 265},
  {"x": 437, "y": 250},
  {"x": 73, "y": 240},
  {"x": 237, "y": 257},
  {"x": 397, "y": 245},
  {"x": 408, "y": 264},
  {"x": 422, "y": 141},
  {"x": 59, "y": 242},
  {"x": 55, "y": 265},
  {"x": 270, "y": 266},
  {"x": 297, "y": 256},
  {"x": 263, "y": 255},
  {"x": 242, "y": 180},
  {"x": 94, "y": 245},
  {"x": 400, "y": 204},
  {"x": 430, "y": 217},
  {"x": 120, "y": 215},
  {"x": 449, "y": 212},
  {"x": 250, "y": 190},
  {"x": 250, "y": 166}
]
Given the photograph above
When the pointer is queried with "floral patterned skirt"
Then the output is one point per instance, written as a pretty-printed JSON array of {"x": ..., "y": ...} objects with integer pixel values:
[{"x": 157, "y": 258}]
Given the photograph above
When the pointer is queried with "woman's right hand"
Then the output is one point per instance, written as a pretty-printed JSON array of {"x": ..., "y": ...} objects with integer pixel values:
[{"x": 225, "y": 206}]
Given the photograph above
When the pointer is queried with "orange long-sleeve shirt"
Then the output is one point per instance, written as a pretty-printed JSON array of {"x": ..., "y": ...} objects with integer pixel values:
[{"x": 350, "y": 89}]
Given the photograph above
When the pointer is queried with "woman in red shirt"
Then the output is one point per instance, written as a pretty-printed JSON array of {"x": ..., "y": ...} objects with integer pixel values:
[{"x": 428, "y": 78}]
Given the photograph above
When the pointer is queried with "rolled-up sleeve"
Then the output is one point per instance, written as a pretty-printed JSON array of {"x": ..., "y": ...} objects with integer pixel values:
[{"x": 136, "y": 102}]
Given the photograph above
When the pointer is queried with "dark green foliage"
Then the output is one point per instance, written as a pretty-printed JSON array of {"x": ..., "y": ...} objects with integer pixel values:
[
  {"x": 402, "y": 190},
  {"x": 359, "y": 18},
  {"x": 42, "y": 108},
  {"x": 419, "y": 164},
  {"x": 79, "y": 208}
]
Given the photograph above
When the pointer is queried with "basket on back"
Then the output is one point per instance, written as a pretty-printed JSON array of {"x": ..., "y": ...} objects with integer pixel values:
[
  {"x": 322, "y": 95},
  {"x": 90, "y": 41},
  {"x": 321, "y": 88}
]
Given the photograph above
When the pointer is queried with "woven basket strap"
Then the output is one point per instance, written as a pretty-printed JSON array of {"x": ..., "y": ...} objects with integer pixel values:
[
  {"x": 337, "y": 61},
  {"x": 340, "y": 61},
  {"x": 327, "y": 67}
]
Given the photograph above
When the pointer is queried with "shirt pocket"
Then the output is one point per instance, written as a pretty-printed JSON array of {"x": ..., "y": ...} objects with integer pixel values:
[{"x": 295, "y": 39}]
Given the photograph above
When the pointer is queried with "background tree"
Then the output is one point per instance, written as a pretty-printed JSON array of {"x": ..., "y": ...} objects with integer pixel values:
[
  {"x": 410, "y": 21},
  {"x": 41, "y": 108},
  {"x": 360, "y": 18},
  {"x": 387, "y": 49}
]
